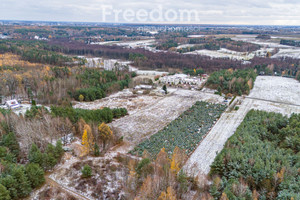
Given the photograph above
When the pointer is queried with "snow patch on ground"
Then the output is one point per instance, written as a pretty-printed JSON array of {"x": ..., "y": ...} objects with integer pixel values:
[
  {"x": 123, "y": 99},
  {"x": 149, "y": 119},
  {"x": 275, "y": 88},
  {"x": 291, "y": 52}
]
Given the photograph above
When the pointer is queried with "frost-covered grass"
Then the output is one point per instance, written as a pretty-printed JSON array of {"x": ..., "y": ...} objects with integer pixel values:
[
  {"x": 290, "y": 52},
  {"x": 125, "y": 99},
  {"x": 148, "y": 120},
  {"x": 106, "y": 182},
  {"x": 223, "y": 53},
  {"x": 184, "y": 132},
  {"x": 278, "y": 89}
]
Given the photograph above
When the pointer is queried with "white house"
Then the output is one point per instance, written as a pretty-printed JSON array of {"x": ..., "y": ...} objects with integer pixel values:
[
  {"x": 12, "y": 104},
  {"x": 143, "y": 87},
  {"x": 180, "y": 79}
]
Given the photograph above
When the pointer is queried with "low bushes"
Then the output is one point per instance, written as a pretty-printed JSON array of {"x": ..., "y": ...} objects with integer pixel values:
[
  {"x": 100, "y": 115},
  {"x": 184, "y": 132},
  {"x": 89, "y": 94}
]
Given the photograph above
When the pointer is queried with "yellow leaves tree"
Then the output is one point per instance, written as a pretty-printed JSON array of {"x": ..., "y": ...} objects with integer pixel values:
[
  {"x": 105, "y": 133},
  {"x": 146, "y": 191},
  {"x": 224, "y": 196},
  {"x": 250, "y": 83},
  {"x": 174, "y": 164},
  {"x": 177, "y": 160},
  {"x": 230, "y": 70},
  {"x": 162, "y": 158},
  {"x": 169, "y": 195},
  {"x": 81, "y": 97},
  {"x": 280, "y": 175},
  {"x": 163, "y": 196},
  {"x": 87, "y": 139}
]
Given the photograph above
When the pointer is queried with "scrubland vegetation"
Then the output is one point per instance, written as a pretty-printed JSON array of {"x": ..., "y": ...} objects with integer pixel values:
[{"x": 185, "y": 132}]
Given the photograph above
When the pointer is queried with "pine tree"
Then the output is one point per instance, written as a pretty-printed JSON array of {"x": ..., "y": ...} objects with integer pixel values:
[
  {"x": 35, "y": 174},
  {"x": 10, "y": 184},
  {"x": 86, "y": 171},
  {"x": 9, "y": 140},
  {"x": 59, "y": 151},
  {"x": 49, "y": 157},
  {"x": 96, "y": 150},
  {"x": 165, "y": 89},
  {"x": 35, "y": 155},
  {"x": 22, "y": 183},
  {"x": 4, "y": 193}
]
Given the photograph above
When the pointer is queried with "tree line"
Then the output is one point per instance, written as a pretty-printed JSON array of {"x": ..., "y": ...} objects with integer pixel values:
[{"x": 232, "y": 81}]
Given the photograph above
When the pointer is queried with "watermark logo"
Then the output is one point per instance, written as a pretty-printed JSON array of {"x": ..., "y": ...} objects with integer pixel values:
[{"x": 158, "y": 14}]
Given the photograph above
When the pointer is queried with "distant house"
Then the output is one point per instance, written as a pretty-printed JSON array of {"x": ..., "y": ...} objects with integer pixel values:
[
  {"x": 12, "y": 104},
  {"x": 180, "y": 79},
  {"x": 143, "y": 87}
]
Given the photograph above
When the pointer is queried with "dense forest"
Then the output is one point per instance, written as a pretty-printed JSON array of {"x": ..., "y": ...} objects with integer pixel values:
[
  {"x": 165, "y": 60},
  {"x": 290, "y": 43},
  {"x": 19, "y": 178},
  {"x": 232, "y": 81},
  {"x": 34, "y": 51},
  {"x": 261, "y": 160},
  {"x": 212, "y": 43},
  {"x": 53, "y": 84},
  {"x": 49, "y": 52}
]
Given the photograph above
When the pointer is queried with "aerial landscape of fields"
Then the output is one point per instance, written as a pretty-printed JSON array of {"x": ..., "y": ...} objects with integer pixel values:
[{"x": 132, "y": 106}]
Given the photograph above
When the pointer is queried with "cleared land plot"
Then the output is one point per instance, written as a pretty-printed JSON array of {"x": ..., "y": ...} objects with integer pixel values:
[
  {"x": 184, "y": 132},
  {"x": 279, "y": 89},
  {"x": 150, "y": 119},
  {"x": 124, "y": 99},
  {"x": 269, "y": 90}
]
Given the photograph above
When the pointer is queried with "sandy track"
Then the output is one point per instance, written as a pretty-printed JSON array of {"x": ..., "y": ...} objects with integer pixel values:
[{"x": 200, "y": 161}]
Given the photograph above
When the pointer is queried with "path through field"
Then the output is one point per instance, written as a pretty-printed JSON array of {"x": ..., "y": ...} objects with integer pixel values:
[{"x": 199, "y": 162}]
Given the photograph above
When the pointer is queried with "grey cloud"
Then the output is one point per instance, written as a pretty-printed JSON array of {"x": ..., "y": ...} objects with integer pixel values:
[{"x": 210, "y": 11}]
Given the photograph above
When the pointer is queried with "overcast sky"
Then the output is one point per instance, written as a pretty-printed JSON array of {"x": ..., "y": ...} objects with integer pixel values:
[{"x": 248, "y": 12}]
